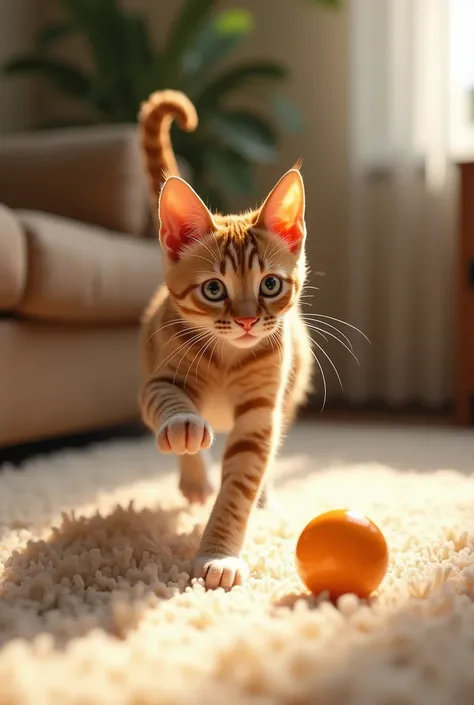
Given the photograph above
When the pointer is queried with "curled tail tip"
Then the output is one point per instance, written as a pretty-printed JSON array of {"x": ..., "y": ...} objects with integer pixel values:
[{"x": 170, "y": 102}]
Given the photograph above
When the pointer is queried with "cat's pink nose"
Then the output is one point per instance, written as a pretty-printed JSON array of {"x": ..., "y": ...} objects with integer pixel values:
[{"x": 246, "y": 321}]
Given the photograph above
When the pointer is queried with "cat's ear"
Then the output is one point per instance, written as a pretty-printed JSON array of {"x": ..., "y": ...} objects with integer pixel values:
[
  {"x": 283, "y": 210},
  {"x": 184, "y": 218}
]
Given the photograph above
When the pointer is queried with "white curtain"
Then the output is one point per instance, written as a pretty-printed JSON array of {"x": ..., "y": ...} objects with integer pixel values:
[{"x": 403, "y": 197}]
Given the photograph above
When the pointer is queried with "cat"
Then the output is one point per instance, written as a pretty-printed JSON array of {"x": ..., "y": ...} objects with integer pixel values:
[{"x": 225, "y": 347}]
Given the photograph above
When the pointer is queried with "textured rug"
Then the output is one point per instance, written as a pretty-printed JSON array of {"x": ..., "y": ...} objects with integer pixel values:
[{"x": 95, "y": 606}]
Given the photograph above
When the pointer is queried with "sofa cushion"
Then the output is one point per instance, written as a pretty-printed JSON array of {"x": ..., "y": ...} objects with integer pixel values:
[
  {"x": 65, "y": 379},
  {"x": 12, "y": 260},
  {"x": 81, "y": 273},
  {"x": 92, "y": 174}
]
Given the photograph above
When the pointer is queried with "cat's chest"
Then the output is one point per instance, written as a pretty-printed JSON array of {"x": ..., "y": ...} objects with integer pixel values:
[{"x": 218, "y": 410}]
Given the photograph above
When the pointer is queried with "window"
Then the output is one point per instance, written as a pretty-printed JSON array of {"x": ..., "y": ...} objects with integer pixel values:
[
  {"x": 412, "y": 81},
  {"x": 462, "y": 77}
]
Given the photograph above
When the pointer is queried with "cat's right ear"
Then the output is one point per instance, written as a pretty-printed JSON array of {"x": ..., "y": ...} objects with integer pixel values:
[
  {"x": 283, "y": 211},
  {"x": 184, "y": 218}
]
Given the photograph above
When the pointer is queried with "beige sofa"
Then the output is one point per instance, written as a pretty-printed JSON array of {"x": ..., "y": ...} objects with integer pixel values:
[{"x": 78, "y": 263}]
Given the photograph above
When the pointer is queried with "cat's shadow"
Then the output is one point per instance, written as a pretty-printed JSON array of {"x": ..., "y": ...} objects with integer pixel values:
[{"x": 100, "y": 572}]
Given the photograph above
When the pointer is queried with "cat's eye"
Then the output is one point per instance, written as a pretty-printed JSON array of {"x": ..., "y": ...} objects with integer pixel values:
[
  {"x": 214, "y": 290},
  {"x": 271, "y": 286}
]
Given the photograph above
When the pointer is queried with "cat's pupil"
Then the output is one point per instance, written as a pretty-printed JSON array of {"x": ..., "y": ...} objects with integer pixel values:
[
  {"x": 213, "y": 288},
  {"x": 271, "y": 283}
]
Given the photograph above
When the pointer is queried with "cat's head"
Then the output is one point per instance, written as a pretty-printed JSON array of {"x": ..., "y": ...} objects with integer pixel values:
[{"x": 235, "y": 276}]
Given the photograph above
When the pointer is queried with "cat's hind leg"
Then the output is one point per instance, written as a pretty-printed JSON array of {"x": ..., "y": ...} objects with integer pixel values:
[{"x": 194, "y": 480}]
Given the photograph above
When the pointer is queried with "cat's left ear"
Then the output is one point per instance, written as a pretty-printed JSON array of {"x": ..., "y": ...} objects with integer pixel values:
[
  {"x": 283, "y": 210},
  {"x": 184, "y": 218}
]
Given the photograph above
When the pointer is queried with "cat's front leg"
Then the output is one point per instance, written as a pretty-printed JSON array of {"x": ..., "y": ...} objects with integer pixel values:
[
  {"x": 168, "y": 410},
  {"x": 250, "y": 450}
]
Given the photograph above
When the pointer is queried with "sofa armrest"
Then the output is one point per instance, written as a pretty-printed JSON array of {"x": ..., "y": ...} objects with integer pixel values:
[{"x": 94, "y": 175}]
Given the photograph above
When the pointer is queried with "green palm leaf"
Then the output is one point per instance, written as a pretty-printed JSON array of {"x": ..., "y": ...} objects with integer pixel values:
[
  {"x": 286, "y": 112},
  {"x": 138, "y": 44},
  {"x": 53, "y": 32},
  {"x": 102, "y": 26},
  {"x": 219, "y": 36},
  {"x": 230, "y": 170},
  {"x": 143, "y": 65},
  {"x": 187, "y": 24},
  {"x": 247, "y": 134},
  {"x": 63, "y": 76},
  {"x": 245, "y": 75}
]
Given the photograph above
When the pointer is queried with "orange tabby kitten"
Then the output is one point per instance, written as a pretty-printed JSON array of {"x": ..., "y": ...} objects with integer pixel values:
[{"x": 225, "y": 346}]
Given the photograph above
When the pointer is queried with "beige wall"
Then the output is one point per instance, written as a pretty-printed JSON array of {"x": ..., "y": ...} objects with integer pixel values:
[
  {"x": 18, "y": 98},
  {"x": 313, "y": 42}
]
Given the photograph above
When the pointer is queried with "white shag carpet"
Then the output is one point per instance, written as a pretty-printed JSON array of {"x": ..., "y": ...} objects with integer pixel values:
[{"x": 95, "y": 606}]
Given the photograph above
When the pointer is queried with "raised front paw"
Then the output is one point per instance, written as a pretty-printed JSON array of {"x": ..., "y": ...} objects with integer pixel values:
[
  {"x": 221, "y": 571},
  {"x": 184, "y": 433}
]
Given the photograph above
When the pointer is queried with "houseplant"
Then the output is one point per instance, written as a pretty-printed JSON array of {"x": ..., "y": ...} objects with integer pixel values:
[{"x": 127, "y": 67}]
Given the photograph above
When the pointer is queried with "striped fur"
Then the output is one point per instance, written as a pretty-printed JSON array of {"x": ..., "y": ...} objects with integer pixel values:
[{"x": 202, "y": 370}]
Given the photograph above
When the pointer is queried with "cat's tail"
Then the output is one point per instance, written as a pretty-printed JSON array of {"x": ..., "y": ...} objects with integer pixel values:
[{"x": 155, "y": 118}]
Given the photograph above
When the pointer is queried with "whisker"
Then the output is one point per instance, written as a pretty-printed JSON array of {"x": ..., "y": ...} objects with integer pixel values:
[
  {"x": 270, "y": 338},
  {"x": 277, "y": 248},
  {"x": 267, "y": 255},
  {"x": 323, "y": 378},
  {"x": 323, "y": 323},
  {"x": 198, "y": 340},
  {"x": 331, "y": 362},
  {"x": 180, "y": 333},
  {"x": 279, "y": 345},
  {"x": 165, "y": 325},
  {"x": 212, "y": 353},
  {"x": 189, "y": 329},
  {"x": 188, "y": 343},
  {"x": 350, "y": 351},
  {"x": 206, "y": 259},
  {"x": 214, "y": 255},
  {"x": 339, "y": 320},
  {"x": 319, "y": 332},
  {"x": 172, "y": 355},
  {"x": 206, "y": 272},
  {"x": 218, "y": 247},
  {"x": 201, "y": 350},
  {"x": 202, "y": 354}
]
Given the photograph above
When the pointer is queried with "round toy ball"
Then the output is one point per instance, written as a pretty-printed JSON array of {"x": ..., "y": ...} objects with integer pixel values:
[{"x": 343, "y": 552}]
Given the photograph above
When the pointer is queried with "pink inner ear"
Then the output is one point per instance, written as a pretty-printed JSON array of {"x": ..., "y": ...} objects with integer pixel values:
[
  {"x": 283, "y": 211},
  {"x": 183, "y": 217},
  {"x": 175, "y": 240},
  {"x": 292, "y": 231}
]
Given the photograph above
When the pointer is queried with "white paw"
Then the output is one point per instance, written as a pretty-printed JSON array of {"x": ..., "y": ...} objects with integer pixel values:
[
  {"x": 184, "y": 433},
  {"x": 221, "y": 571},
  {"x": 194, "y": 490}
]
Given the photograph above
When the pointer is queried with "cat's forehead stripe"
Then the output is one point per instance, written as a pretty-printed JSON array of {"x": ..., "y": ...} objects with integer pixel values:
[
  {"x": 240, "y": 248},
  {"x": 228, "y": 255}
]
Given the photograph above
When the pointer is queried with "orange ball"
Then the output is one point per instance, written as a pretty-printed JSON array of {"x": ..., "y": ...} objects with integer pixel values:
[{"x": 343, "y": 552}]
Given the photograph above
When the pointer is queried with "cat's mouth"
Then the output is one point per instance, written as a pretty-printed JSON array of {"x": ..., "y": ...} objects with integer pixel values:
[{"x": 247, "y": 340}]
